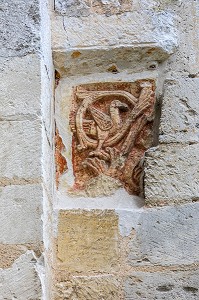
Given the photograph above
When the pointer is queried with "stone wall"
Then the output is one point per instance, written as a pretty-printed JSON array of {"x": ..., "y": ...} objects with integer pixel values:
[
  {"x": 20, "y": 154},
  {"x": 99, "y": 149},
  {"x": 109, "y": 241}
]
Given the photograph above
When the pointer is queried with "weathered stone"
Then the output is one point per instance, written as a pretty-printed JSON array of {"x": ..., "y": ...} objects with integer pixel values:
[
  {"x": 111, "y": 7},
  {"x": 112, "y": 128},
  {"x": 179, "y": 119},
  {"x": 60, "y": 161},
  {"x": 184, "y": 63},
  {"x": 21, "y": 280},
  {"x": 19, "y": 29},
  {"x": 159, "y": 285},
  {"x": 9, "y": 253},
  {"x": 172, "y": 174},
  {"x": 20, "y": 152},
  {"x": 79, "y": 8},
  {"x": 20, "y": 88},
  {"x": 88, "y": 241},
  {"x": 167, "y": 236},
  {"x": 73, "y": 8},
  {"x": 20, "y": 214},
  {"x": 89, "y": 288},
  {"x": 134, "y": 30}
]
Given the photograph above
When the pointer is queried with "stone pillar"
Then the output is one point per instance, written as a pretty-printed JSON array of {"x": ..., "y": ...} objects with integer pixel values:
[
  {"x": 125, "y": 225},
  {"x": 20, "y": 150}
]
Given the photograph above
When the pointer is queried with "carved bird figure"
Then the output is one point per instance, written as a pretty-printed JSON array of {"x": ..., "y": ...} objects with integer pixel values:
[{"x": 107, "y": 124}]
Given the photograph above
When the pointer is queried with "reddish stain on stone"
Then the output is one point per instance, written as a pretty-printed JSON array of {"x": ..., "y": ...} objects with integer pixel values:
[
  {"x": 60, "y": 161},
  {"x": 75, "y": 54},
  {"x": 151, "y": 50},
  {"x": 57, "y": 78}
]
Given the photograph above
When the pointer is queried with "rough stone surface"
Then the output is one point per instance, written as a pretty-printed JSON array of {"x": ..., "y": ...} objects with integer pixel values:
[
  {"x": 21, "y": 281},
  {"x": 167, "y": 236},
  {"x": 179, "y": 119},
  {"x": 19, "y": 29},
  {"x": 135, "y": 29},
  {"x": 20, "y": 152},
  {"x": 20, "y": 88},
  {"x": 20, "y": 212},
  {"x": 89, "y": 288},
  {"x": 79, "y": 8},
  {"x": 182, "y": 285},
  {"x": 184, "y": 63},
  {"x": 87, "y": 241},
  {"x": 8, "y": 254},
  {"x": 171, "y": 174},
  {"x": 110, "y": 61}
]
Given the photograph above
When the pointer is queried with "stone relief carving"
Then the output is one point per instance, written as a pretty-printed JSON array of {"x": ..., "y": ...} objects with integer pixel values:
[{"x": 112, "y": 128}]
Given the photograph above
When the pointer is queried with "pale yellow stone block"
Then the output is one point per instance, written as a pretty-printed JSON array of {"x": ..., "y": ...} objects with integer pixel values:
[
  {"x": 88, "y": 241},
  {"x": 89, "y": 288}
]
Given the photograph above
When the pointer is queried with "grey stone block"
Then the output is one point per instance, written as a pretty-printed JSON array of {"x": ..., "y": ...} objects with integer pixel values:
[
  {"x": 19, "y": 27},
  {"x": 73, "y": 8},
  {"x": 167, "y": 236},
  {"x": 21, "y": 281},
  {"x": 20, "y": 214},
  {"x": 172, "y": 174},
  {"x": 168, "y": 285},
  {"x": 179, "y": 120},
  {"x": 20, "y": 88},
  {"x": 20, "y": 151}
]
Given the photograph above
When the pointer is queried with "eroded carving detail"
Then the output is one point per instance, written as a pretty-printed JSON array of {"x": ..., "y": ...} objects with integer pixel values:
[
  {"x": 60, "y": 161},
  {"x": 112, "y": 124}
]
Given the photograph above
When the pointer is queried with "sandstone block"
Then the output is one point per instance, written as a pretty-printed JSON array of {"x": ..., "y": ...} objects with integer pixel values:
[
  {"x": 20, "y": 214},
  {"x": 87, "y": 241},
  {"x": 179, "y": 120},
  {"x": 161, "y": 285},
  {"x": 89, "y": 288},
  {"x": 19, "y": 21},
  {"x": 9, "y": 253},
  {"x": 20, "y": 88},
  {"x": 167, "y": 236},
  {"x": 172, "y": 174},
  {"x": 20, "y": 151},
  {"x": 21, "y": 280}
]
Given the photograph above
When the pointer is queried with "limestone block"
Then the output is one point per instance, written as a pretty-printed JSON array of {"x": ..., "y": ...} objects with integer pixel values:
[
  {"x": 77, "y": 8},
  {"x": 103, "y": 36},
  {"x": 184, "y": 62},
  {"x": 87, "y": 241},
  {"x": 20, "y": 88},
  {"x": 179, "y": 120},
  {"x": 167, "y": 236},
  {"x": 19, "y": 27},
  {"x": 136, "y": 29},
  {"x": 89, "y": 288},
  {"x": 20, "y": 211},
  {"x": 20, "y": 151},
  {"x": 160, "y": 285},
  {"x": 21, "y": 281},
  {"x": 172, "y": 174}
]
